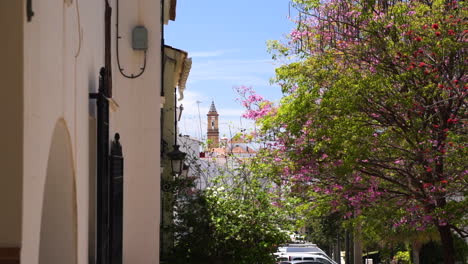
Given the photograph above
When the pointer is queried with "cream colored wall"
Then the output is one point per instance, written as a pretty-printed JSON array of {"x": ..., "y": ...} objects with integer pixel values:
[
  {"x": 58, "y": 233},
  {"x": 11, "y": 112},
  {"x": 58, "y": 75},
  {"x": 137, "y": 121},
  {"x": 59, "y": 72}
]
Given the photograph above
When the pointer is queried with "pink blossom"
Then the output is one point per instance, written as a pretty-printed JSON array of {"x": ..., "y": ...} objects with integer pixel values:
[{"x": 348, "y": 214}]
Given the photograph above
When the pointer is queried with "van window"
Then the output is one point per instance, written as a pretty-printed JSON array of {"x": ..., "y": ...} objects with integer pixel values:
[{"x": 324, "y": 261}]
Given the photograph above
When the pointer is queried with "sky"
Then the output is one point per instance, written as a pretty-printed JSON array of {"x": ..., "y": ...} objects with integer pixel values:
[{"x": 227, "y": 42}]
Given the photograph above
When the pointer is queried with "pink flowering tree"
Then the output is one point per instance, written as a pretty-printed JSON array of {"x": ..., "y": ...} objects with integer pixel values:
[{"x": 374, "y": 112}]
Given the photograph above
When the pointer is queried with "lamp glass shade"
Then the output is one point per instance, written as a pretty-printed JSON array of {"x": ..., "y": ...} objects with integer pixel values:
[
  {"x": 177, "y": 160},
  {"x": 185, "y": 170}
]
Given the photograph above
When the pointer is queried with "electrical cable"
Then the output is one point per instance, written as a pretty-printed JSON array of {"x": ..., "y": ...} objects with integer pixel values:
[
  {"x": 121, "y": 70},
  {"x": 80, "y": 30}
]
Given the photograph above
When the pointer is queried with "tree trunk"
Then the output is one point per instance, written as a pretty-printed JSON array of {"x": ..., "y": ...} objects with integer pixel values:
[
  {"x": 347, "y": 248},
  {"x": 357, "y": 245},
  {"x": 337, "y": 251},
  {"x": 447, "y": 244},
  {"x": 416, "y": 247}
]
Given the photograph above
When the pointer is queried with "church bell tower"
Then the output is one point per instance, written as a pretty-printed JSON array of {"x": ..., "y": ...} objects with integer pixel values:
[{"x": 213, "y": 131}]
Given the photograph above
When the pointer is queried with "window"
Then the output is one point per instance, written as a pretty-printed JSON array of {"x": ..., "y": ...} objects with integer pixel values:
[{"x": 324, "y": 261}]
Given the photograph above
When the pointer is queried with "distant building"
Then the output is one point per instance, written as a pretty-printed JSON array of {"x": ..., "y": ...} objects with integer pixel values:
[
  {"x": 213, "y": 127},
  {"x": 235, "y": 148},
  {"x": 224, "y": 147},
  {"x": 219, "y": 157}
]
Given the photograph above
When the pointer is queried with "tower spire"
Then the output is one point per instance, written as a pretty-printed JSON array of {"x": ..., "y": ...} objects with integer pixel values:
[{"x": 213, "y": 107}]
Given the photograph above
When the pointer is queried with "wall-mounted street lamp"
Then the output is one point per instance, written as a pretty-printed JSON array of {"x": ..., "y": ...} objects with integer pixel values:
[{"x": 177, "y": 158}]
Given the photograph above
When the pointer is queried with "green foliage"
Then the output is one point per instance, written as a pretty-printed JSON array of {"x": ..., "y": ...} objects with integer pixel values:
[
  {"x": 374, "y": 115},
  {"x": 403, "y": 257},
  {"x": 193, "y": 230},
  {"x": 232, "y": 223},
  {"x": 245, "y": 220},
  {"x": 324, "y": 230}
]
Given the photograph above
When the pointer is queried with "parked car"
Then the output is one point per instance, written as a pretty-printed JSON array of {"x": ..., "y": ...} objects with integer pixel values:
[
  {"x": 299, "y": 262},
  {"x": 298, "y": 256},
  {"x": 293, "y": 252},
  {"x": 310, "y": 248}
]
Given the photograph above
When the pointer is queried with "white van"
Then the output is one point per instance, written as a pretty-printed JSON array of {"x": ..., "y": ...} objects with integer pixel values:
[
  {"x": 305, "y": 256},
  {"x": 303, "y": 252}
]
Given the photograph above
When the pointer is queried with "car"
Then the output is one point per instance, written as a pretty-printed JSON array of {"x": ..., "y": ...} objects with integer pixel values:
[
  {"x": 298, "y": 256},
  {"x": 292, "y": 252},
  {"x": 309, "y": 249},
  {"x": 299, "y": 262}
]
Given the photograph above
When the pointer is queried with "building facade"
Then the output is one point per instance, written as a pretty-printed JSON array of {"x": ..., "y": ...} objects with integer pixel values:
[
  {"x": 176, "y": 69},
  {"x": 50, "y": 189}
]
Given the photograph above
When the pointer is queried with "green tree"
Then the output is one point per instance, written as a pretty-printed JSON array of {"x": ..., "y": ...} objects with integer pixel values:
[
  {"x": 374, "y": 113},
  {"x": 232, "y": 221},
  {"x": 247, "y": 224}
]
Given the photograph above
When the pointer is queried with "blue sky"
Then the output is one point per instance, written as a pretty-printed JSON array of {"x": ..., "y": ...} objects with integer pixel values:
[{"x": 227, "y": 42}]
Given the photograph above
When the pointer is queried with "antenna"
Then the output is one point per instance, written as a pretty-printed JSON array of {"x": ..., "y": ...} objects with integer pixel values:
[{"x": 199, "y": 120}]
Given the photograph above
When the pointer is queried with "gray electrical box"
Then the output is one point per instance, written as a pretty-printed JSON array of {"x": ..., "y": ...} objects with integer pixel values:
[{"x": 140, "y": 38}]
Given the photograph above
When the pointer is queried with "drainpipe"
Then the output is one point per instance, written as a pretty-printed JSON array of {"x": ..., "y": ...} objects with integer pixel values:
[
  {"x": 107, "y": 49},
  {"x": 162, "y": 47},
  {"x": 162, "y": 202}
]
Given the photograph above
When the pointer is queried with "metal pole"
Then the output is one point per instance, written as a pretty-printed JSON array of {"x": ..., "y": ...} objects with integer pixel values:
[
  {"x": 175, "y": 116},
  {"x": 199, "y": 120}
]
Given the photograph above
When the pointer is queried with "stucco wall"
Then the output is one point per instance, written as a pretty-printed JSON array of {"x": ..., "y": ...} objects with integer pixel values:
[
  {"x": 59, "y": 72},
  {"x": 137, "y": 120},
  {"x": 58, "y": 233},
  {"x": 63, "y": 52},
  {"x": 11, "y": 122}
]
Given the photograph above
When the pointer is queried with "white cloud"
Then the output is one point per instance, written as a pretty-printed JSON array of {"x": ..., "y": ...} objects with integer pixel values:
[
  {"x": 191, "y": 106},
  {"x": 228, "y": 73},
  {"x": 249, "y": 72}
]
